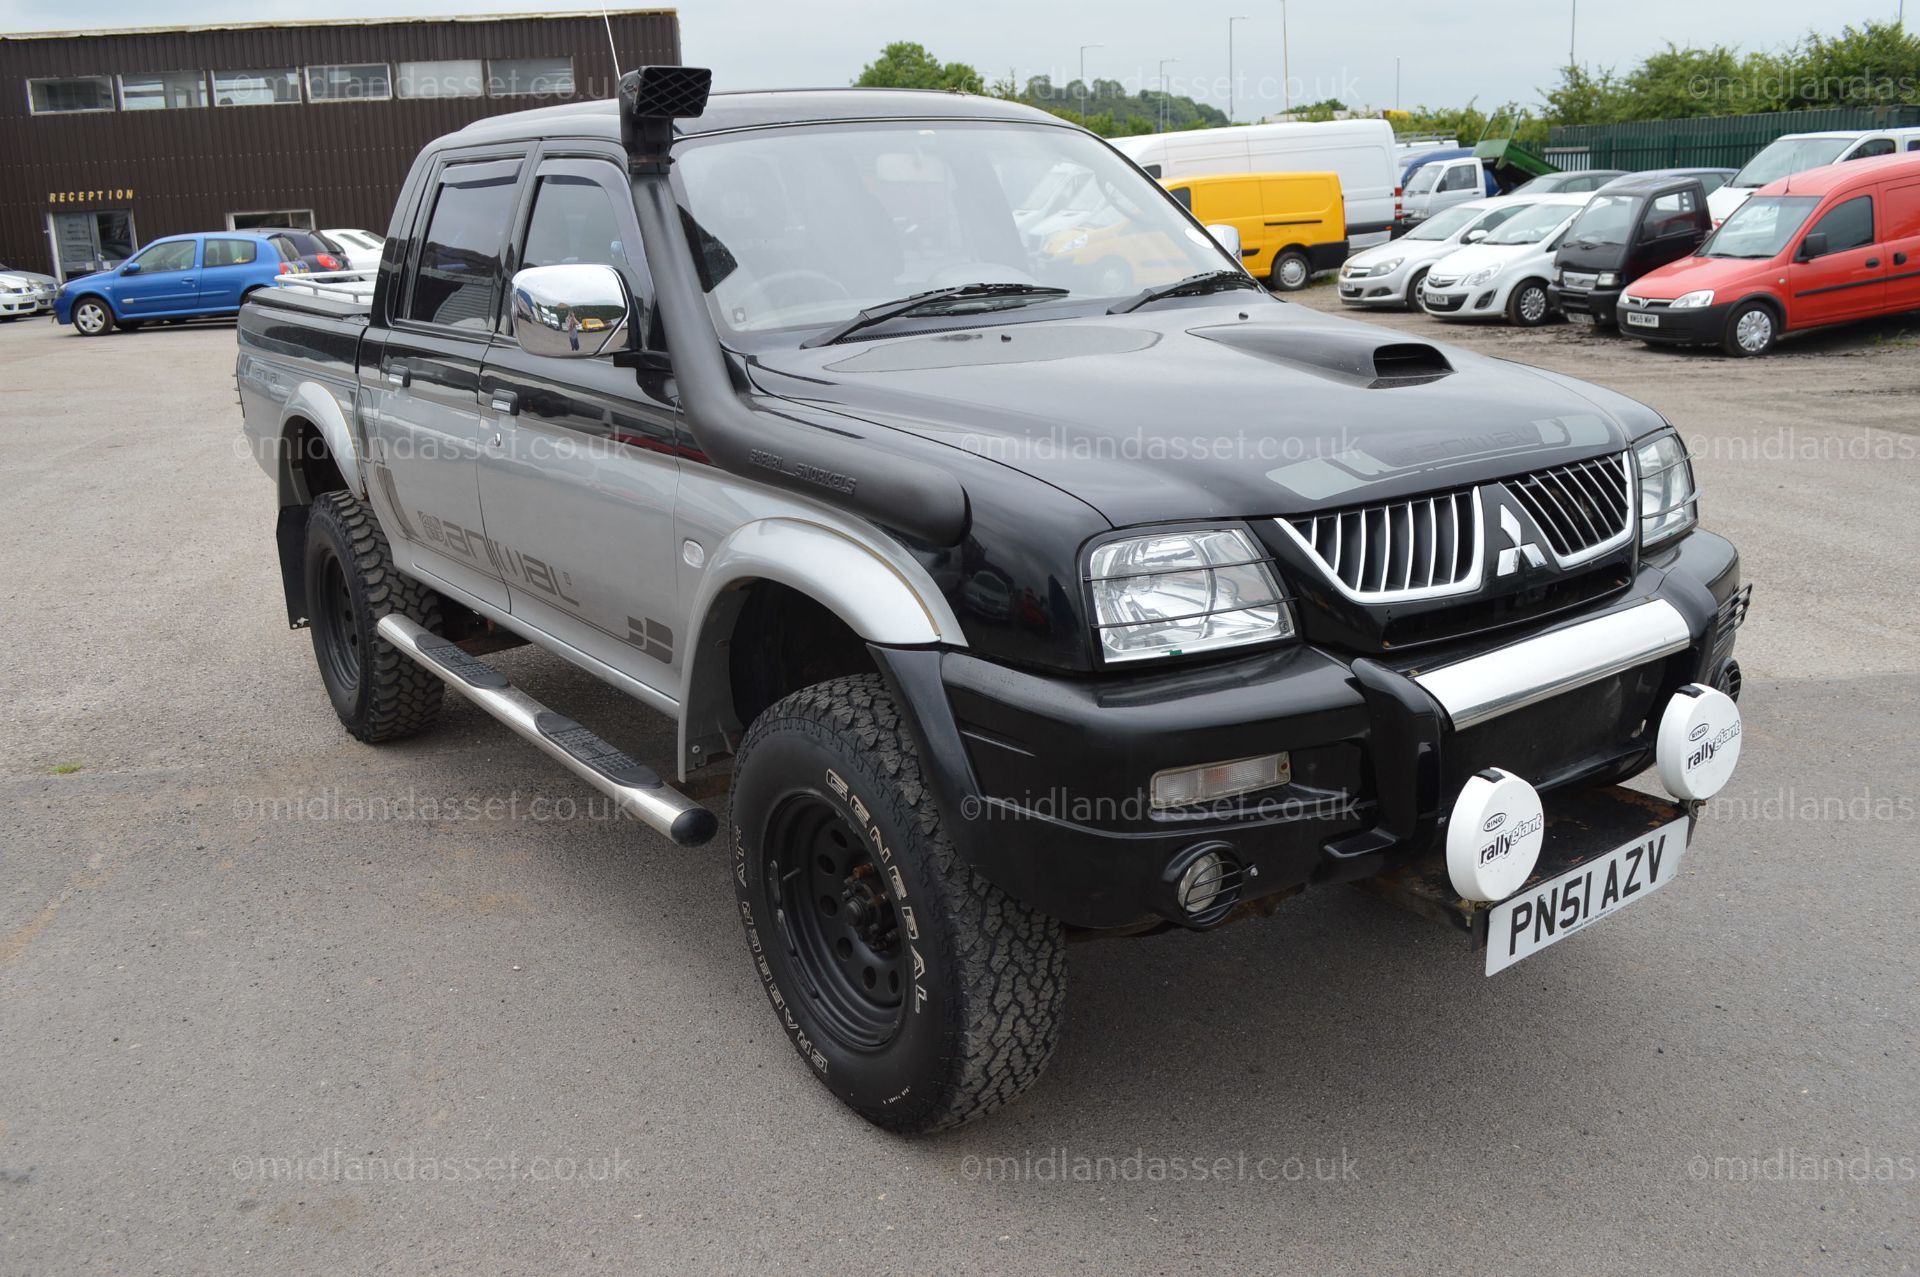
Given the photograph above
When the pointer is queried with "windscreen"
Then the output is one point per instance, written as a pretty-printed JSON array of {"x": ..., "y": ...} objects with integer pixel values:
[
  {"x": 1447, "y": 223},
  {"x": 810, "y": 226},
  {"x": 1532, "y": 225},
  {"x": 1761, "y": 227},
  {"x": 1787, "y": 156},
  {"x": 1607, "y": 220}
]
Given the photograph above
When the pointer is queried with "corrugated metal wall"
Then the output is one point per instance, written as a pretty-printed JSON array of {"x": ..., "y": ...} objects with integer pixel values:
[
  {"x": 1705, "y": 142},
  {"x": 189, "y": 168}
]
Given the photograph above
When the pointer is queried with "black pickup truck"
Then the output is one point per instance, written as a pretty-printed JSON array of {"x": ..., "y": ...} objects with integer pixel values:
[{"x": 1018, "y": 608}]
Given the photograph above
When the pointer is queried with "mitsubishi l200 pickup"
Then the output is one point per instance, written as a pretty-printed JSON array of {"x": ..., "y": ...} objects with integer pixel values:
[{"x": 1012, "y": 608}]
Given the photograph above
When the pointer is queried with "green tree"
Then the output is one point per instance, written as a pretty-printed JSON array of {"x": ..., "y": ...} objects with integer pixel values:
[
  {"x": 1875, "y": 64},
  {"x": 907, "y": 65}
]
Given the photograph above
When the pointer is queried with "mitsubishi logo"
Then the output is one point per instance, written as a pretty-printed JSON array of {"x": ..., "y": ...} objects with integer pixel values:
[{"x": 1516, "y": 549}]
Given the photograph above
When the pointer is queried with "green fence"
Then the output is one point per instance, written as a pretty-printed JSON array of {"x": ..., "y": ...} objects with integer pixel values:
[{"x": 1725, "y": 141}]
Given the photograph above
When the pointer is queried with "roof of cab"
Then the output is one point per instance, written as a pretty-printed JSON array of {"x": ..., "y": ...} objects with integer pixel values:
[
  {"x": 757, "y": 109},
  {"x": 1829, "y": 178}
]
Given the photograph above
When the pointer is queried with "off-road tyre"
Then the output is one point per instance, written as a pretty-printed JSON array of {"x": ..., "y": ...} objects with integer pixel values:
[
  {"x": 981, "y": 986},
  {"x": 379, "y": 694}
]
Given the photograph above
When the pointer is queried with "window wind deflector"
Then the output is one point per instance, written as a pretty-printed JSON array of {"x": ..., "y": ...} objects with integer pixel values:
[
  {"x": 1212, "y": 281},
  {"x": 932, "y": 299}
]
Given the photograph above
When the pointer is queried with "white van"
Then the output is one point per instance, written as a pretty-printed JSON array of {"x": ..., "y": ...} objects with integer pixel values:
[
  {"x": 1361, "y": 151},
  {"x": 1797, "y": 152}
]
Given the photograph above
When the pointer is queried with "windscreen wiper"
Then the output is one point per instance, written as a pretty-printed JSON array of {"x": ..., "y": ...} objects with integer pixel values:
[
  {"x": 1211, "y": 281},
  {"x": 932, "y": 299}
]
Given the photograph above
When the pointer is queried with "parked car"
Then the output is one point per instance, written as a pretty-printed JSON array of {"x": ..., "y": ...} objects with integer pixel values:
[
  {"x": 1710, "y": 179},
  {"x": 856, "y": 504},
  {"x": 1292, "y": 226},
  {"x": 362, "y": 248},
  {"x": 1360, "y": 151},
  {"x": 314, "y": 251},
  {"x": 1391, "y": 274},
  {"x": 1572, "y": 182},
  {"x": 180, "y": 277},
  {"x": 1505, "y": 275},
  {"x": 1633, "y": 225},
  {"x": 1439, "y": 180},
  {"x": 1798, "y": 152},
  {"x": 1823, "y": 247},
  {"x": 23, "y": 294}
]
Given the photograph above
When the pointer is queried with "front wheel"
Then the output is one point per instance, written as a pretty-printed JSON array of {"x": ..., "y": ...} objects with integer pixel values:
[
  {"x": 1751, "y": 330},
  {"x": 917, "y": 992},
  {"x": 1291, "y": 272},
  {"x": 1414, "y": 286},
  {"x": 92, "y": 317},
  {"x": 1529, "y": 307}
]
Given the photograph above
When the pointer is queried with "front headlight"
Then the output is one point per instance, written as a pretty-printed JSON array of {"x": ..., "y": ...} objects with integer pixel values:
[
  {"x": 1480, "y": 277},
  {"x": 1669, "y": 504},
  {"x": 1175, "y": 593},
  {"x": 1694, "y": 300},
  {"x": 1389, "y": 266},
  {"x": 1607, "y": 279}
]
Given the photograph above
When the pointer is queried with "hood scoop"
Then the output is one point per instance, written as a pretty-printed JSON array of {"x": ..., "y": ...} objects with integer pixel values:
[{"x": 1351, "y": 358}]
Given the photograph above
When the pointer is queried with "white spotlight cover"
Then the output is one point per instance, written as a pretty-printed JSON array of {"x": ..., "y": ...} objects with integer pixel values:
[
  {"x": 1494, "y": 835},
  {"x": 1699, "y": 742}
]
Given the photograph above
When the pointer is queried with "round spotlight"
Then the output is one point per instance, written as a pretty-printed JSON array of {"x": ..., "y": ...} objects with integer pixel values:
[{"x": 1206, "y": 883}]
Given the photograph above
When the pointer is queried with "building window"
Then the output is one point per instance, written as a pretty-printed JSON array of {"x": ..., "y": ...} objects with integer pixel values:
[
  {"x": 256, "y": 88},
  {"x": 163, "y": 90},
  {"x": 440, "y": 80},
  {"x": 78, "y": 93},
  {"x": 297, "y": 218},
  {"x": 368, "y": 83},
  {"x": 520, "y": 77}
]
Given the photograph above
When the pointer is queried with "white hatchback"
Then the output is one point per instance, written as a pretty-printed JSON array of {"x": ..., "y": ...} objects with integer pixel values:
[
  {"x": 1390, "y": 274},
  {"x": 1505, "y": 275}
]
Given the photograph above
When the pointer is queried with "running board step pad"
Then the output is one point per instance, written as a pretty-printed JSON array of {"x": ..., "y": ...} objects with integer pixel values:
[{"x": 638, "y": 790}]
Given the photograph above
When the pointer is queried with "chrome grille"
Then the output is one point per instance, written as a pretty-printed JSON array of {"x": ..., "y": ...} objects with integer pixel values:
[
  {"x": 1431, "y": 547},
  {"x": 1423, "y": 548},
  {"x": 1583, "y": 509}
]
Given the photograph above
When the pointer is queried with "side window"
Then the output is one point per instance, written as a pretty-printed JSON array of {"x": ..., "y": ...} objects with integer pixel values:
[
  {"x": 1671, "y": 214},
  {"x": 231, "y": 252},
  {"x": 172, "y": 256},
  {"x": 457, "y": 279},
  {"x": 1913, "y": 144},
  {"x": 1151, "y": 170},
  {"x": 1873, "y": 146},
  {"x": 573, "y": 223},
  {"x": 1184, "y": 195},
  {"x": 1848, "y": 225},
  {"x": 1459, "y": 178}
]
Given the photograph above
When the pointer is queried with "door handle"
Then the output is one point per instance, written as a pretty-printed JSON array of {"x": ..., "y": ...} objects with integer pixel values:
[
  {"x": 398, "y": 376},
  {"x": 506, "y": 401},
  {"x": 1872, "y": 262},
  {"x": 1899, "y": 259}
]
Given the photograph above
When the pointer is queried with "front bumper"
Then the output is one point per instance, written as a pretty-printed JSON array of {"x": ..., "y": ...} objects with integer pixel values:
[
  {"x": 14, "y": 305},
  {"x": 1457, "y": 302},
  {"x": 1695, "y": 326},
  {"x": 1375, "y": 290},
  {"x": 1043, "y": 779},
  {"x": 1596, "y": 303}
]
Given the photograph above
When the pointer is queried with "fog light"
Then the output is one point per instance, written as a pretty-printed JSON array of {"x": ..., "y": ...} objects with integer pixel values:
[
  {"x": 1206, "y": 880},
  {"x": 1185, "y": 786}
]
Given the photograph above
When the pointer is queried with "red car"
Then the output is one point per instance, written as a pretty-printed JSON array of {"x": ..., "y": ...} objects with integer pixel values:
[{"x": 1821, "y": 247}]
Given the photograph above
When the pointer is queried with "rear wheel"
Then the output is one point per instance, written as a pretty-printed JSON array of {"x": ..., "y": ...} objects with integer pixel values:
[
  {"x": 379, "y": 694},
  {"x": 92, "y": 317},
  {"x": 1291, "y": 272},
  {"x": 917, "y": 992},
  {"x": 1529, "y": 306},
  {"x": 1751, "y": 330}
]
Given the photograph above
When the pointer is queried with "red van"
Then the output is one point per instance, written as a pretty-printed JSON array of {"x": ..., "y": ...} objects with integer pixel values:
[{"x": 1820, "y": 247}]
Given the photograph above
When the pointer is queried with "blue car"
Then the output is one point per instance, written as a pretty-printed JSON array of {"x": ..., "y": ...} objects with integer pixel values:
[{"x": 180, "y": 277}]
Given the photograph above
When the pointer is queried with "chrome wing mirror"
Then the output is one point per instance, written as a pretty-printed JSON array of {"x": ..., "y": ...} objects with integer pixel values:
[{"x": 570, "y": 312}]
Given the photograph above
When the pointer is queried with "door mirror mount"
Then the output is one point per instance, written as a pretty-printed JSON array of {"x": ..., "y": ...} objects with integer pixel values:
[
  {"x": 130, "y": 268},
  {"x": 1228, "y": 237},
  {"x": 1473, "y": 237},
  {"x": 1814, "y": 245},
  {"x": 570, "y": 312}
]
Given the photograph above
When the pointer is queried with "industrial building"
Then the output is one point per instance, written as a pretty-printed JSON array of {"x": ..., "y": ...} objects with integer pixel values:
[{"x": 109, "y": 139}]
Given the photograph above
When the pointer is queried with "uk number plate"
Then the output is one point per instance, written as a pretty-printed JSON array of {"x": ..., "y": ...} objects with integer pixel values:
[
  {"x": 1549, "y": 912},
  {"x": 1639, "y": 319}
]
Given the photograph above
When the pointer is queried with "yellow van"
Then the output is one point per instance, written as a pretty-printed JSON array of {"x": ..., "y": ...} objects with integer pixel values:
[{"x": 1292, "y": 225}]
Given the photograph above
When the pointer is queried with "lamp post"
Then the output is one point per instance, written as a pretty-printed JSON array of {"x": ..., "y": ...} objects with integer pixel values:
[
  {"x": 1166, "y": 116},
  {"x": 1231, "y": 84},
  {"x": 1573, "y": 30},
  {"x": 1083, "y": 78},
  {"x": 1286, "y": 65}
]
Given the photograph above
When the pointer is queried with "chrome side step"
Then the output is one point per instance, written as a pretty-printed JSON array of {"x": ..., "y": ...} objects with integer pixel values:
[{"x": 637, "y": 789}]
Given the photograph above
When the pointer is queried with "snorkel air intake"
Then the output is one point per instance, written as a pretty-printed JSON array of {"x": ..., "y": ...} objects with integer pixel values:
[{"x": 841, "y": 469}]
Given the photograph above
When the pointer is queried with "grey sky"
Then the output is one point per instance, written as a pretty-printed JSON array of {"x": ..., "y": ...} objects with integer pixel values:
[{"x": 1450, "y": 50}]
